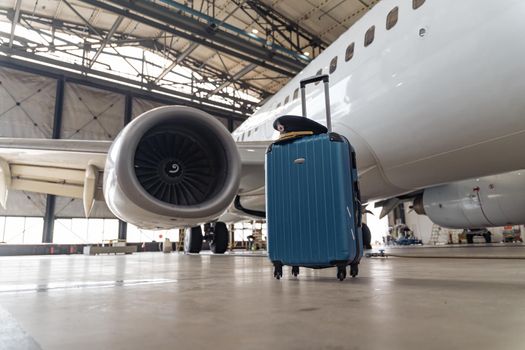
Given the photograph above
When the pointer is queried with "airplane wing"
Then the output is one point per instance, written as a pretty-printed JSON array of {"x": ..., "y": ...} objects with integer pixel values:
[
  {"x": 74, "y": 168},
  {"x": 68, "y": 168}
]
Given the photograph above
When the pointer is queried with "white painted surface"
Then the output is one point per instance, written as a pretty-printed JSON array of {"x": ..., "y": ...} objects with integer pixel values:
[
  {"x": 420, "y": 110},
  {"x": 378, "y": 227},
  {"x": 421, "y": 225}
]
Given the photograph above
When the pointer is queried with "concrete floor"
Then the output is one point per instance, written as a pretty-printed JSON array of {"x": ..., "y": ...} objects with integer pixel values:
[{"x": 157, "y": 301}]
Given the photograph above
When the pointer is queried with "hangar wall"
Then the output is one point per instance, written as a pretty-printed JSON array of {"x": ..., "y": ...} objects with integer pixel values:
[
  {"x": 27, "y": 110},
  {"x": 419, "y": 224},
  {"x": 27, "y": 104}
]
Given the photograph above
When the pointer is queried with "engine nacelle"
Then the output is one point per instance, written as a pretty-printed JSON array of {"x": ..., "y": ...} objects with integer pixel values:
[
  {"x": 172, "y": 166},
  {"x": 490, "y": 201}
]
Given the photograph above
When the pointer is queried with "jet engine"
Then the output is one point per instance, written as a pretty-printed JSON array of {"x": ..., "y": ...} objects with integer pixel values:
[
  {"x": 490, "y": 201},
  {"x": 172, "y": 166}
]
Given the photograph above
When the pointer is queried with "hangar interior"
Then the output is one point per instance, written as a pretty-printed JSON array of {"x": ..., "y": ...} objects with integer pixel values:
[{"x": 84, "y": 69}]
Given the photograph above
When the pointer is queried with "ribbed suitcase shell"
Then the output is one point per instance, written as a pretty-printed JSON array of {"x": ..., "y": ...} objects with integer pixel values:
[{"x": 312, "y": 212}]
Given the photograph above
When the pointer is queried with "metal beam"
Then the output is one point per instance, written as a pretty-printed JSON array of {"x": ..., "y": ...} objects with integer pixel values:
[
  {"x": 150, "y": 43},
  {"x": 276, "y": 20},
  {"x": 125, "y": 88},
  {"x": 86, "y": 22},
  {"x": 49, "y": 219},
  {"x": 162, "y": 18},
  {"x": 210, "y": 19},
  {"x": 128, "y": 109},
  {"x": 128, "y": 115},
  {"x": 157, "y": 43},
  {"x": 49, "y": 216},
  {"x": 175, "y": 62},
  {"x": 122, "y": 230},
  {"x": 59, "y": 106},
  {"x": 185, "y": 98},
  {"x": 235, "y": 77},
  {"x": 15, "y": 21},
  {"x": 106, "y": 40}
]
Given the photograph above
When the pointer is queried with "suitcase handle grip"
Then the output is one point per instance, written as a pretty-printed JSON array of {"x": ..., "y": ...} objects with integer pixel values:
[{"x": 316, "y": 79}]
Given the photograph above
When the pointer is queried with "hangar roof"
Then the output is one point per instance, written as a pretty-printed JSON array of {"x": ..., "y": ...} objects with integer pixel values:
[{"x": 234, "y": 53}]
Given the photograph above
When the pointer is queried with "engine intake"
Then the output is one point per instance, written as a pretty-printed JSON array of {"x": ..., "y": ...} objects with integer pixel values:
[
  {"x": 176, "y": 165},
  {"x": 172, "y": 166}
]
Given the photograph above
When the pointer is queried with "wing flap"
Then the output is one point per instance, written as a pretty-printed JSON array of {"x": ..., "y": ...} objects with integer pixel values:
[
  {"x": 5, "y": 181},
  {"x": 74, "y": 183},
  {"x": 58, "y": 189},
  {"x": 58, "y": 167},
  {"x": 48, "y": 174}
]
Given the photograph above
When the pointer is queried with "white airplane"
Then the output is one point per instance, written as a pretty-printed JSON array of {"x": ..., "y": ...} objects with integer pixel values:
[{"x": 429, "y": 93}]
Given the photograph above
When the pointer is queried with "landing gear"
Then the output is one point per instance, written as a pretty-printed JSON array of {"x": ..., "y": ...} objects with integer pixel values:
[
  {"x": 470, "y": 233},
  {"x": 193, "y": 240},
  {"x": 341, "y": 273},
  {"x": 219, "y": 238},
  {"x": 367, "y": 237}
]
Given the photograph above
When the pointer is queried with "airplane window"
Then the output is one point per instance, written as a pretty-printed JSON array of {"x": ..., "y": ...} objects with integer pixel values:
[
  {"x": 296, "y": 94},
  {"x": 287, "y": 99},
  {"x": 278, "y": 105},
  {"x": 333, "y": 65},
  {"x": 349, "y": 52},
  {"x": 391, "y": 19},
  {"x": 319, "y": 72},
  {"x": 417, "y": 4},
  {"x": 369, "y": 36},
  {"x": 249, "y": 133}
]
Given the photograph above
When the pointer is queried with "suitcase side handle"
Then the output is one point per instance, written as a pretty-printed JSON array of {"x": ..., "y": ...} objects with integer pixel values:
[{"x": 312, "y": 80}]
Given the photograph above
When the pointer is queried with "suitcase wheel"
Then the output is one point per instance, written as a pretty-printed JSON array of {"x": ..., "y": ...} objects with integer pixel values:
[
  {"x": 278, "y": 271},
  {"x": 341, "y": 273},
  {"x": 354, "y": 270},
  {"x": 295, "y": 271}
]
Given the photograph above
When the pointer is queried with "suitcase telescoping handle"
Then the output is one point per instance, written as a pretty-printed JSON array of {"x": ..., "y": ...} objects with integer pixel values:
[{"x": 312, "y": 80}]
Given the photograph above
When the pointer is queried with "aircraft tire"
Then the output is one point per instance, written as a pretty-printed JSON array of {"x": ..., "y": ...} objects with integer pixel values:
[
  {"x": 219, "y": 242},
  {"x": 193, "y": 240}
]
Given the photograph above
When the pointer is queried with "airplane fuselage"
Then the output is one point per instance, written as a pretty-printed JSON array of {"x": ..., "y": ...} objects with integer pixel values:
[{"x": 435, "y": 99}]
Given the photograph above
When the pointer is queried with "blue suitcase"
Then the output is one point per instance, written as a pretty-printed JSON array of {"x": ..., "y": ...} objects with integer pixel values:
[{"x": 312, "y": 201}]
